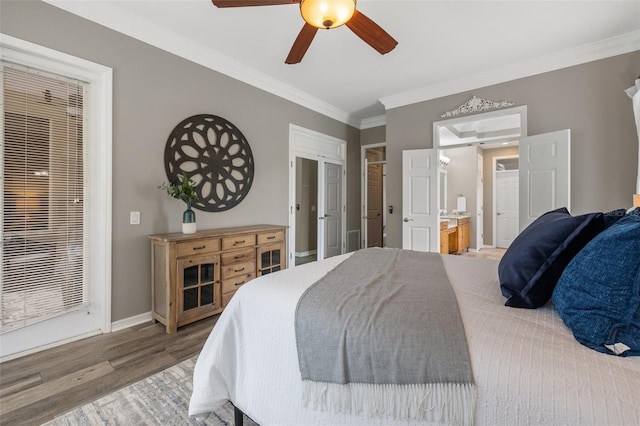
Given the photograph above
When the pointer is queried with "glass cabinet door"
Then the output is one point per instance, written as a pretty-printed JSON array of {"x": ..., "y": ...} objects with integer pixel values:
[
  {"x": 270, "y": 259},
  {"x": 198, "y": 285}
]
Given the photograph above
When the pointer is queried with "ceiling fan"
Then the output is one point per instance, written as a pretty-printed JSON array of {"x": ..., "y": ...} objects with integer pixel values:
[{"x": 325, "y": 14}]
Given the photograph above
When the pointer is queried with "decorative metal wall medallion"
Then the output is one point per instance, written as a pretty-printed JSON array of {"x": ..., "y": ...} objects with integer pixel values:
[
  {"x": 216, "y": 155},
  {"x": 476, "y": 105}
]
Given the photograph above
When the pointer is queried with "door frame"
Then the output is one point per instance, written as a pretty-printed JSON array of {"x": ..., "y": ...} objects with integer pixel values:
[
  {"x": 493, "y": 195},
  {"x": 97, "y": 318},
  {"x": 363, "y": 190},
  {"x": 306, "y": 143},
  {"x": 479, "y": 202},
  {"x": 520, "y": 110}
]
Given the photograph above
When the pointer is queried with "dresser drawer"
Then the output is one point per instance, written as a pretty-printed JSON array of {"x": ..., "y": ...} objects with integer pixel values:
[
  {"x": 239, "y": 241},
  {"x": 189, "y": 248},
  {"x": 271, "y": 237},
  {"x": 238, "y": 256},
  {"x": 232, "y": 284},
  {"x": 238, "y": 269}
]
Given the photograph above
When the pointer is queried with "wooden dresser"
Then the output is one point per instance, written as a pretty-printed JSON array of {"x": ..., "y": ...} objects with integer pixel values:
[{"x": 193, "y": 276}]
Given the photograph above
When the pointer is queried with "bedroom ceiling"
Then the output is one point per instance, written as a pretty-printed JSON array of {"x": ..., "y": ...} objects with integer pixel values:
[{"x": 444, "y": 46}]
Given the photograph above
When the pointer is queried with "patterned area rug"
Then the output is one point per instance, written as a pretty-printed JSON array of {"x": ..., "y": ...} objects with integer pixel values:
[{"x": 161, "y": 399}]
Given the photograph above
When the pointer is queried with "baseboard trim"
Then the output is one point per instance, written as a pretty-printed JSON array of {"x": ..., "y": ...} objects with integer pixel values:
[
  {"x": 131, "y": 321},
  {"x": 49, "y": 346},
  {"x": 115, "y": 326}
]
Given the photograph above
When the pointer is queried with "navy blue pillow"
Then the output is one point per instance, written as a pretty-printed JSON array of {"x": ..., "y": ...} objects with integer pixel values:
[
  {"x": 598, "y": 295},
  {"x": 613, "y": 216},
  {"x": 533, "y": 263}
]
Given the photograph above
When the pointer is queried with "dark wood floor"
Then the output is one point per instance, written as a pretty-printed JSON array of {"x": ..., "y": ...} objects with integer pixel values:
[{"x": 35, "y": 388}]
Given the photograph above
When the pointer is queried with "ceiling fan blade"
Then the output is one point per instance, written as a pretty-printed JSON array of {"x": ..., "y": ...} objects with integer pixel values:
[
  {"x": 245, "y": 3},
  {"x": 302, "y": 43},
  {"x": 371, "y": 33}
]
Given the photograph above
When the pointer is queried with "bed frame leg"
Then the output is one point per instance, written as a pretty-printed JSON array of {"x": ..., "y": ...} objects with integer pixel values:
[{"x": 237, "y": 414}]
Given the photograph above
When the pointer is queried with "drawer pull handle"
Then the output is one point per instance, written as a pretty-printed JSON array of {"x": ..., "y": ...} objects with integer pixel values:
[
  {"x": 238, "y": 270},
  {"x": 271, "y": 237},
  {"x": 240, "y": 283},
  {"x": 239, "y": 257},
  {"x": 200, "y": 247},
  {"x": 239, "y": 242}
]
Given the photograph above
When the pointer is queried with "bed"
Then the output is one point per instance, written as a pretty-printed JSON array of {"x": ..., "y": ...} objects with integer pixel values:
[{"x": 527, "y": 366}]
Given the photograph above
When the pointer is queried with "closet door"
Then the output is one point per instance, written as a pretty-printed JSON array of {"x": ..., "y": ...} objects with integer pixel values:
[{"x": 332, "y": 210}]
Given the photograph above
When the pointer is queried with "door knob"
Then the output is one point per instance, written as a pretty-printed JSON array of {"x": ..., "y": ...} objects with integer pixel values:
[{"x": 407, "y": 220}]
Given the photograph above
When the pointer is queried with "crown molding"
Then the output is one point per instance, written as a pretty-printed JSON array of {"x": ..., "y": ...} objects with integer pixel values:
[
  {"x": 111, "y": 16},
  {"x": 377, "y": 121},
  {"x": 619, "y": 45}
]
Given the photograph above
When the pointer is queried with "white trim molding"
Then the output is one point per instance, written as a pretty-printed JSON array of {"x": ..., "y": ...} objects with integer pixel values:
[
  {"x": 377, "y": 121},
  {"x": 626, "y": 43},
  {"x": 98, "y": 177},
  {"x": 112, "y": 16},
  {"x": 130, "y": 322}
]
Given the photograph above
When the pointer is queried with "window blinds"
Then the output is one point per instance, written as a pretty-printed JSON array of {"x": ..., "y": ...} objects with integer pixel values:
[{"x": 44, "y": 242}]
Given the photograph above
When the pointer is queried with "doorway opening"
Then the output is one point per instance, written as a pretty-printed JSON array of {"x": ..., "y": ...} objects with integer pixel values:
[
  {"x": 374, "y": 218},
  {"x": 543, "y": 176},
  {"x": 466, "y": 147},
  {"x": 506, "y": 178},
  {"x": 317, "y": 193},
  {"x": 306, "y": 211},
  {"x": 56, "y": 253}
]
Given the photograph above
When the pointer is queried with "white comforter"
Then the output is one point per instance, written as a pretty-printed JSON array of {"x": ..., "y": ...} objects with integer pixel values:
[{"x": 528, "y": 368}]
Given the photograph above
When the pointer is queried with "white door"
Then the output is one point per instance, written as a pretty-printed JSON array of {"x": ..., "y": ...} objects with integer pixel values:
[
  {"x": 420, "y": 229},
  {"x": 506, "y": 207},
  {"x": 480, "y": 204},
  {"x": 545, "y": 172},
  {"x": 332, "y": 218}
]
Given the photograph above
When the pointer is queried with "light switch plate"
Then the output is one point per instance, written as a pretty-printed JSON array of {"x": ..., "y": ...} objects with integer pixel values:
[{"x": 134, "y": 218}]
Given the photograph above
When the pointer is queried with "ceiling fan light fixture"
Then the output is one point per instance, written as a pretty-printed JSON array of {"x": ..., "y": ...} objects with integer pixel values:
[{"x": 327, "y": 13}]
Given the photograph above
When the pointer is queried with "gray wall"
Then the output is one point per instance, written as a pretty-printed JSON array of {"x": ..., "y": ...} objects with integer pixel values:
[
  {"x": 589, "y": 99},
  {"x": 152, "y": 92},
  {"x": 373, "y": 135}
]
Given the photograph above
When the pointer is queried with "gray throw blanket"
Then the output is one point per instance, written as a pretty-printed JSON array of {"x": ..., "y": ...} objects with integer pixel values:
[{"x": 381, "y": 335}]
